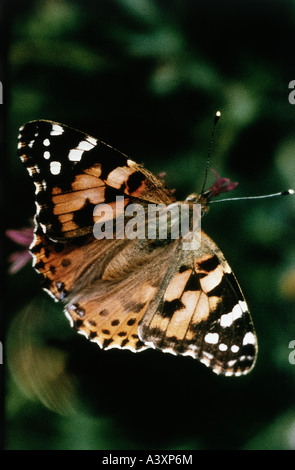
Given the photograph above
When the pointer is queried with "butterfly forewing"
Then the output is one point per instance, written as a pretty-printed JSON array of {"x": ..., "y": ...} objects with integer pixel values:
[
  {"x": 73, "y": 172},
  {"x": 128, "y": 293}
]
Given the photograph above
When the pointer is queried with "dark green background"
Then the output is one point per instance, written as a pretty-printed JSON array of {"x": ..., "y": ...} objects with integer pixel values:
[{"x": 147, "y": 77}]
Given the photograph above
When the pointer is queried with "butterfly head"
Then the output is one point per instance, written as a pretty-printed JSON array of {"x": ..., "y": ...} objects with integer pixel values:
[{"x": 221, "y": 185}]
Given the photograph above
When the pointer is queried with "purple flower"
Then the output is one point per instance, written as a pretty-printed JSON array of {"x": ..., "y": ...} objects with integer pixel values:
[
  {"x": 222, "y": 185},
  {"x": 23, "y": 237}
]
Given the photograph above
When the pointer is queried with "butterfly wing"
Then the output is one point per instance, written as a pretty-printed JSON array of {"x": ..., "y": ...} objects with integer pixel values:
[
  {"x": 106, "y": 285},
  {"x": 73, "y": 172},
  {"x": 108, "y": 309},
  {"x": 128, "y": 293},
  {"x": 200, "y": 311}
]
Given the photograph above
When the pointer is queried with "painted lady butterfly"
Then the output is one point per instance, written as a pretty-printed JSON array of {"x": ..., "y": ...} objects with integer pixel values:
[{"x": 131, "y": 294}]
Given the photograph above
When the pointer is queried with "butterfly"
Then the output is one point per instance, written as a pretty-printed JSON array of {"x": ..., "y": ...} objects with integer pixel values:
[{"x": 129, "y": 293}]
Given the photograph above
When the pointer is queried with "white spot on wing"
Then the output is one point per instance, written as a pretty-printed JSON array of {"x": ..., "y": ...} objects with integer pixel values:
[
  {"x": 43, "y": 227},
  {"x": 32, "y": 245},
  {"x": 75, "y": 155},
  {"x": 205, "y": 361},
  {"x": 249, "y": 338},
  {"x": 46, "y": 142},
  {"x": 37, "y": 187},
  {"x": 55, "y": 167},
  {"x": 38, "y": 208},
  {"x": 92, "y": 140},
  {"x": 238, "y": 374},
  {"x": 46, "y": 155},
  {"x": 56, "y": 130},
  {"x": 208, "y": 355},
  {"x": 229, "y": 373},
  {"x": 243, "y": 305},
  {"x": 228, "y": 318},
  {"x": 85, "y": 145},
  {"x": 237, "y": 311},
  {"x": 226, "y": 268},
  {"x": 231, "y": 363},
  {"x": 212, "y": 338},
  {"x": 170, "y": 351}
]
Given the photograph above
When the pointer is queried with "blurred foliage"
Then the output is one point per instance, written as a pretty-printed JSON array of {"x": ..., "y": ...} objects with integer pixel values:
[{"x": 147, "y": 76}]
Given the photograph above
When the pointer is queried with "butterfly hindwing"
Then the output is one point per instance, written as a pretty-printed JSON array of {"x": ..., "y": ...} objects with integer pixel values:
[
  {"x": 201, "y": 312},
  {"x": 109, "y": 307},
  {"x": 66, "y": 266}
]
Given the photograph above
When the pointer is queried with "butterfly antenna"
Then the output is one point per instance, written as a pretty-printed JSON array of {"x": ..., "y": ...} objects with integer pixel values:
[
  {"x": 216, "y": 119},
  {"x": 282, "y": 193}
]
